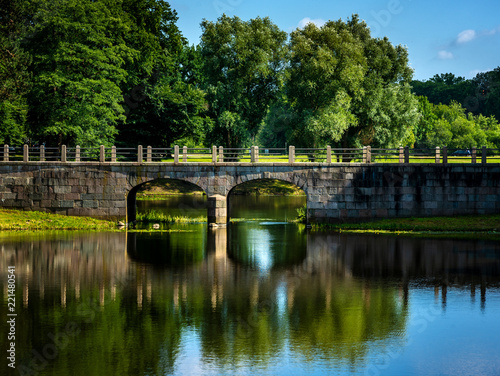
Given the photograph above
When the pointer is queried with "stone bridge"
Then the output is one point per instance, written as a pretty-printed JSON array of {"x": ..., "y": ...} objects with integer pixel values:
[{"x": 336, "y": 192}]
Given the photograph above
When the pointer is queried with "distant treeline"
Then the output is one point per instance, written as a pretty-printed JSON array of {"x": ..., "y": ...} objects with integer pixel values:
[{"x": 88, "y": 73}]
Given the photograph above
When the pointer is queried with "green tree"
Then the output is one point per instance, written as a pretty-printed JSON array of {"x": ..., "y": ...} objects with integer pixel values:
[
  {"x": 79, "y": 53},
  {"x": 14, "y": 76},
  {"x": 486, "y": 100},
  {"x": 163, "y": 101},
  {"x": 243, "y": 65},
  {"x": 452, "y": 126},
  {"x": 349, "y": 89}
]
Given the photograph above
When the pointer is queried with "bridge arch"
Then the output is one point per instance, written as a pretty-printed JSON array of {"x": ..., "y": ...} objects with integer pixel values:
[
  {"x": 276, "y": 188},
  {"x": 132, "y": 194}
]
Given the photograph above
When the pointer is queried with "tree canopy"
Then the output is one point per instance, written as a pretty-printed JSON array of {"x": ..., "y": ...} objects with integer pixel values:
[
  {"x": 84, "y": 72},
  {"x": 243, "y": 65},
  {"x": 348, "y": 88}
]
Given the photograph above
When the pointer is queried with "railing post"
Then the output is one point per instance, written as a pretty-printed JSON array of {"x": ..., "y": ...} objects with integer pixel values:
[
  {"x": 63, "y": 154},
  {"x": 149, "y": 154},
  {"x": 445, "y": 154},
  {"x": 438, "y": 155},
  {"x": 6, "y": 153},
  {"x": 77, "y": 153},
  {"x": 139, "y": 154},
  {"x": 176, "y": 154},
  {"x": 184, "y": 154},
  {"x": 102, "y": 154},
  {"x": 113, "y": 153},
  {"x": 221, "y": 154},
  {"x": 401, "y": 154},
  {"x": 407, "y": 154},
  {"x": 26, "y": 156},
  {"x": 255, "y": 154},
  {"x": 291, "y": 154},
  {"x": 483, "y": 155},
  {"x": 42, "y": 153},
  {"x": 328, "y": 154},
  {"x": 473, "y": 155},
  {"x": 214, "y": 154},
  {"x": 368, "y": 154},
  {"x": 365, "y": 155}
]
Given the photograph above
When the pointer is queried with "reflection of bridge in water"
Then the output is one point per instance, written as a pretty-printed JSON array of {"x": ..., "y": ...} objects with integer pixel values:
[
  {"x": 74, "y": 262},
  {"x": 340, "y": 293},
  {"x": 438, "y": 263}
]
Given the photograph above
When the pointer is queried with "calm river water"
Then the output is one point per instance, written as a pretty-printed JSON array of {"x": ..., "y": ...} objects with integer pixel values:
[{"x": 261, "y": 297}]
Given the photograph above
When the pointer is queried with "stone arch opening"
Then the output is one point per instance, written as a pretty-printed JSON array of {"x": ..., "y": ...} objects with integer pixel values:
[
  {"x": 255, "y": 190},
  {"x": 132, "y": 194}
]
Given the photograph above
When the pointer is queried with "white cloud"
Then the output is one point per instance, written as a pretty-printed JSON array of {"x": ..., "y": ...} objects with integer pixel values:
[
  {"x": 445, "y": 55},
  {"x": 318, "y": 22},
  {"x": 466, "y": 36}
]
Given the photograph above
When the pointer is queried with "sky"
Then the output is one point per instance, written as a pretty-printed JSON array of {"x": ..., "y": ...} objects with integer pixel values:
[{"x": 460, "y": 37}]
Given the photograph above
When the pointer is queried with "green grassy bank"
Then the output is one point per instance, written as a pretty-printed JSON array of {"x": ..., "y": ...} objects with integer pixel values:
[
  {"x": 18, "y": 220},
  {"x": 485, "y": 223}
]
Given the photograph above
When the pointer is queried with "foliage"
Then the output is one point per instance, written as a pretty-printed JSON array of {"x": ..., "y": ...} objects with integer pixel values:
[
  {"x": 14, "y": 75},
  {"x": 103, "y": 72},
  {"x": 301, "y": 215},
  {"x": 443, "y": 88},
  {"x": 452, "y": 126},
  {"x": 163, "y": 102},
  {"x": 348, "y": 88},
  {"x": 79, "y": 53},
  {"x": 480, "y": 95},
  {"x": 243, "y": 65}
]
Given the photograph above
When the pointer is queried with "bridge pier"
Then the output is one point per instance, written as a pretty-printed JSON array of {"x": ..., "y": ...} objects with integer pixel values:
[{"x": 217, "y": 210}]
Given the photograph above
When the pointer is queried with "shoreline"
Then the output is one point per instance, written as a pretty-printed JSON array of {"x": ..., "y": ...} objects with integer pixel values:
[{"x": 13, "y": 220}]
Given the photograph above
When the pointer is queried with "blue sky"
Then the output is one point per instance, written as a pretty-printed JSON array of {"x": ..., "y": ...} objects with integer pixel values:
[{"x": 460, "y": 37}]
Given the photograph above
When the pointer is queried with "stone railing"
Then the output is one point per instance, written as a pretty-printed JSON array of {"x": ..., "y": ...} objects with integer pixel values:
[{"x": 254, "y": 154}]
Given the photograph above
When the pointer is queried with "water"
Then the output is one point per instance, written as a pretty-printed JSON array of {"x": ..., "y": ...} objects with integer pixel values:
[{"x": 258, "y": 298}]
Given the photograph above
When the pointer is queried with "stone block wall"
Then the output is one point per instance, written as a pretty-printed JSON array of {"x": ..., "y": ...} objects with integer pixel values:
[{"x": 335, "y": 192}]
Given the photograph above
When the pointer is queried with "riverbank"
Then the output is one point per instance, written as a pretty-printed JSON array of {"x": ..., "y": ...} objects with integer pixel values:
[
  {"x": 18, "y": 220},
  {"x": 484, "y": 223}
]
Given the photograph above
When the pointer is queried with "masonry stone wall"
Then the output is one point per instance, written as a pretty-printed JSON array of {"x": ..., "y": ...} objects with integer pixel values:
[{"x": 335, "y": 192}]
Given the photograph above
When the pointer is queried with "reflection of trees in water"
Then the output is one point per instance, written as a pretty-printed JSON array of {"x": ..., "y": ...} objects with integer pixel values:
[{"x": 132, "y": 316}]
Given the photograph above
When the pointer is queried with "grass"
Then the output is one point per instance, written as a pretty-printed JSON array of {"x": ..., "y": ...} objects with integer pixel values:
[
  {"x": 268, "y": 187},
  {"x": 16, "y": 220},
  {"x": 485, "y": 223},
  {"x": 159, "y": 217},
  {"x": 160, "y": 188}
]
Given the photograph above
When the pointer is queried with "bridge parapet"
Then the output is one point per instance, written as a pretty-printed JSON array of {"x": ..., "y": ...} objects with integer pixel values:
[{"x": 254, "y": 154}]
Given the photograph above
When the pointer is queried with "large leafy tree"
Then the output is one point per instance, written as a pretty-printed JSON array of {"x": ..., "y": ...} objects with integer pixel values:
[
  {"x": 243, "y": 66},
  {"x": 162, "y": 101},
  {"x": 14, "y": 76},
  {"x": 79, "y": 54},
  {"x": 349, "y": 89}
]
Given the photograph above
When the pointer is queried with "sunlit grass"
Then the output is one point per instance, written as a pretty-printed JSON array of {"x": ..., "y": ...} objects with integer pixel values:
[
  {"x": 160, "y": 217},
  {"x": 469, "y": 223},
  {"x": 17, "y": 220}
]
